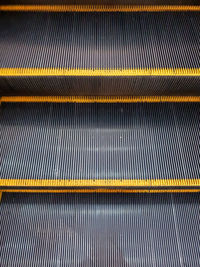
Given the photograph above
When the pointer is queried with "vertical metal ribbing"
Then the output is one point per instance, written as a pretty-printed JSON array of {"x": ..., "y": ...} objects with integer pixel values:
[
  {"x": 99, "y": 40},
  {"x": 177, "y": 232},
  {"x": 99, "y": 229},
  {"x": 100, "y": 141},
  {"x": 114, "y": 86},
  {"x": 119, "y": 41}
]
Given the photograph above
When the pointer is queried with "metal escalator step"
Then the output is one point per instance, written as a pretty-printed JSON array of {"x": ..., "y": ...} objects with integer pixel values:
[
  {"x": 109, "y": 53},
  {"x": 112, "y": 146},
  {"x": 100, "y": 230}
]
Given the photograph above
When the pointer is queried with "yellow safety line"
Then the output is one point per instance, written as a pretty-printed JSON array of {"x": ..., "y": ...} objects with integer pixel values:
[
  {"x": 98, "y": 72},
  {"x": 102, "y": 190},
  {"x": 99, "y": 8},
  {"x": 100, "y": 99},
  {"x": 100, "y": 183}
]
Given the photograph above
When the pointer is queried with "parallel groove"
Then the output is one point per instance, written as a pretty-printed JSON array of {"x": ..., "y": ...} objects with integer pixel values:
[
  {"x": 100, "y": 86},
  {"x": 100, "y": 230},
  {"x": 102, "y": 190},
  {"x": 99, "y": 53},
  {"x": 118, "y": 147},
  {"x": 54, "y": 144},
  {"x": 100, "y": 42}
]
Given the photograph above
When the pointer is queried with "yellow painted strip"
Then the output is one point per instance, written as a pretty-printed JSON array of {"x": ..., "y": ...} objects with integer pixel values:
[
  {"x": 101, "y": 190},
  {"x": 101, "y": 183},
  {"x": 99, "y": 8},
  {"x": 98, "y": 72},
  {"x": 99, "y": 99},
  {"x": 0, "y": 195}
]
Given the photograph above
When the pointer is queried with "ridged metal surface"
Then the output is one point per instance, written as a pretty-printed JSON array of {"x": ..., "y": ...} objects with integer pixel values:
[
  {"x": 99, "y": 40},
  {"x": 100, "y": 141},
  {"x": 98, "y": 86},
  {"x": 100, "y": 230}
]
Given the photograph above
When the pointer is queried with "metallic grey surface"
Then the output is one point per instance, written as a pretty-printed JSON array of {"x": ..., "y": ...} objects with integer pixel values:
[
  {"x": 100, "y": 230},
  {"x": 100, "y": 41},
  {"x": 100, "y": 141},
  {"x": 100, "y": 86}
]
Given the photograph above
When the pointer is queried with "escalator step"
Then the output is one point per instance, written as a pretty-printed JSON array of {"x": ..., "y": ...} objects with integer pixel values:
[
  {"x": 100, "y": 230},
  {"x": 99, "y": 53},
  {"x": 56, "y": 145}
]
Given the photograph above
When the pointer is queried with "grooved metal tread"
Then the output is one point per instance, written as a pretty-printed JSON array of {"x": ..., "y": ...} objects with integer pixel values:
[
  {"x": 100, "y": 145},
  {"x": 100, "y": 40},
  {"x": 89, "y": 53},
  {"x": 100, "y": 230}
]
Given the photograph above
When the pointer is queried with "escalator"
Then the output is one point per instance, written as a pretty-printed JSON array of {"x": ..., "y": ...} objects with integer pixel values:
[{"x": 100, "y": 133}]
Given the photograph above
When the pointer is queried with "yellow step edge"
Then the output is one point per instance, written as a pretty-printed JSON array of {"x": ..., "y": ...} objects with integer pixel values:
[
  {"x": 101, "y": 190},
  {"x": 97, "y": 72},
  {"x": 99, "y": 99},
  {"x": 100, "y": 183},
  {"x": 99, "y": 8}
]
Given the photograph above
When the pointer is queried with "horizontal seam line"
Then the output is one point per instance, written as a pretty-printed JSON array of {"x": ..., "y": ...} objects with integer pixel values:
[
  {"x": 101, "y": 190},
  {"x": 100, "y": 8},
  {"x": 100, "y": 99},
  {"x": 99, "y": 72},
  {"x": 101, "y": 182}
]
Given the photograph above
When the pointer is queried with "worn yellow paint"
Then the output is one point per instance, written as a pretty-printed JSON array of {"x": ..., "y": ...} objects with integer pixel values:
[
  {"x": 102, "y": 190},
  {"x": 99, "y": 8},
  {"x": 100, "y": 99},
  {"x": 100, "y": 183},
  {"x": 0, "y": 195},
  {"x": 97, "y": 72}
]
